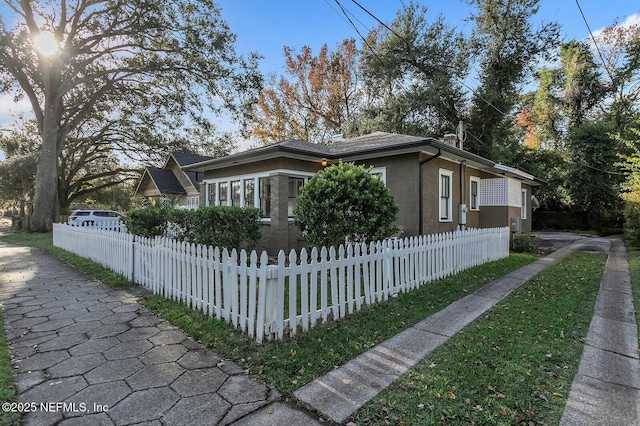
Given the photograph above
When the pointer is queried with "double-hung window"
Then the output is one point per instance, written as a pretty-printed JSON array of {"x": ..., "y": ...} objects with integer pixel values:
[
  {"x": 295, "y": 184},
  {"x": 445, "y": 186},
  {"x": 474, "y": 191}
]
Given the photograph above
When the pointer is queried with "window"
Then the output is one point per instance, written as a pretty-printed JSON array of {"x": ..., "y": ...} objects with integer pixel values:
[
  {"x": 193, "y": 202},
  {"x": 523, "y": 204},
  {"x": 223, "y": 195},
  {"x": 474, "y": 187},
  {"x": 265, "y": 195},
  {"x": 235, "y": 193},
  {"x": 211, "y": 195},
  {"x": 295, "y": 184},
  {"x": 249, "y": 192},
  {"x": 445, "y": 195}
]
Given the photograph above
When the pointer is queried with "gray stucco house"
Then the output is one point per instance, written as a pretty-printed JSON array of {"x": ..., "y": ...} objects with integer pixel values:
[{"x": 436, "y": 185}]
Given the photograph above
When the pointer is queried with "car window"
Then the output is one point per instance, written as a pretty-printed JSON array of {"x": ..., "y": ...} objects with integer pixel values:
[
  {"x": 81, "y": 213},
  {"x": 101, "y": 214}
]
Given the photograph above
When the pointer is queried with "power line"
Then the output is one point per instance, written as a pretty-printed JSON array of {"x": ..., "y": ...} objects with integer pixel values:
[{"x": 595, "y": 43}]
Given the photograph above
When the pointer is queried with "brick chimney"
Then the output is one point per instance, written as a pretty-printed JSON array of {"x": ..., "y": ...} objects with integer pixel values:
[{"x": 450, "y": 139}]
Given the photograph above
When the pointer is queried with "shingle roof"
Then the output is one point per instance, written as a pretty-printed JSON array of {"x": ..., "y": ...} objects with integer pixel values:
[
  {"x": 165, "y": 181},
  {"x": 184, "y": 159}
]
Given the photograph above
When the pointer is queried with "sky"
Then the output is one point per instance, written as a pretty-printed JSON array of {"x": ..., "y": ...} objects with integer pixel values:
[{"x": 267, "y": 26}]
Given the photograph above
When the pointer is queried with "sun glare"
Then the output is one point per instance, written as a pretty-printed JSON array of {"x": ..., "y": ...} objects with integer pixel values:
[{"x": 46, "y": 43}]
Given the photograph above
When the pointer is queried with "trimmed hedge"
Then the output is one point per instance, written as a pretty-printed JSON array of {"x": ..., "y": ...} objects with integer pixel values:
[{"x": 219, "y": 226}]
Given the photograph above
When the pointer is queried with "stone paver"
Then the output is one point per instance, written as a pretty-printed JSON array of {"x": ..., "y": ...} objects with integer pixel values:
[{"x": 104, "y": 359}]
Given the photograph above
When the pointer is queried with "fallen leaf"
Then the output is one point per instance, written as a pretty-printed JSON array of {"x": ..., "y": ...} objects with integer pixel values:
[
  {"x": 559, "y": 395},
  {"x": 293, "y": 353},
  {"x": 490, "y": 387},
  {"x": 451, "y": 395},
  {"x": 421, "y": 406},
  {"x": 500, "y": 395},
  {"x": 503, "y": 412}
]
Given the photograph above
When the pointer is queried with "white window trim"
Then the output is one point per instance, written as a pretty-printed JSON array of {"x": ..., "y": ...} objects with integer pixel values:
[
  {"x": 382, "y": 171},
  {"x": 477, "y": 207},
  {"x": 523, "y": 206},
  {"x": 449, "y": 173}
]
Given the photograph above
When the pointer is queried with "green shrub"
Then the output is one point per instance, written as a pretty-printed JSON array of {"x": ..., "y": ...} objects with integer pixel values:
[
  {"x": 220, "y": 226},
  {"x": 345, "y": 201},
  {"x": 632, "y": 220},
  {"x": 148, "y": 223},
  {"x": 524, "y": 243}
]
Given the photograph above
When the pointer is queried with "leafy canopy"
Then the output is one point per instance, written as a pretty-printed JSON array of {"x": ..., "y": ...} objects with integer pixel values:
[{"x": 345, "y": 201}]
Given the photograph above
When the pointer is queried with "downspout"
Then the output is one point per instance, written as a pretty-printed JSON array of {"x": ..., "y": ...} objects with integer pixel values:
[{"x": 420, "y": 207}]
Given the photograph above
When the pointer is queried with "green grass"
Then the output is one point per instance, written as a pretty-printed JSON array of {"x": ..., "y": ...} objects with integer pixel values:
[
  {"x": 634, "y": 268},
  {"x": 514, "y": 365}
]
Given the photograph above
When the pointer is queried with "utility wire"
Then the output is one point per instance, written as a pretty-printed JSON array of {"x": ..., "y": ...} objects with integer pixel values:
[
  {"x": 595, "y": 43},
  {"x": 487, "y": 101}
]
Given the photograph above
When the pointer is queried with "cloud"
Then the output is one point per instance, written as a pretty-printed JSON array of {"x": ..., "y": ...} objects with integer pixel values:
[
  {"x": 627, "y": 23},
  {"x": 10, "y": 110}
]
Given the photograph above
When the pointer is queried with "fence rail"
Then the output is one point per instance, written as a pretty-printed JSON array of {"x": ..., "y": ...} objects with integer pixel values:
[{"x": 298, "y": 292}]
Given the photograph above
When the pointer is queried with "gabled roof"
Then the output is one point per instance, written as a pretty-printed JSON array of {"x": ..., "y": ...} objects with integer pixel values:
[{"x": 164, "y": 180}]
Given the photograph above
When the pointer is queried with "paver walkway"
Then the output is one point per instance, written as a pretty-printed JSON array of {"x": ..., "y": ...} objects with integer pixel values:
[{"x": 107, "y": 358}]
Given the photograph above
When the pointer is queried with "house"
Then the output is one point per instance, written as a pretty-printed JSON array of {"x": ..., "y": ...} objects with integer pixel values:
[
  {"x": 172, "y": 181},
  {"x": 436, "y": 185}
]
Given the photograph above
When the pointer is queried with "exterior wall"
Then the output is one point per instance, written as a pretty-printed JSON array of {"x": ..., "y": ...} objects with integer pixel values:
[
  {"x": 492, "y": 216},
  {"x": 401, "y": 176},
  {"x": 431, "y": 222}
]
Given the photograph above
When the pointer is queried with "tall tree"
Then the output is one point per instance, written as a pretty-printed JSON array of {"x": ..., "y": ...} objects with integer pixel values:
[
  {"x": 508, "y": 47},
  {"x": 414, "y": 71},
  {"x": 154, "y": 65},
  {"x": 316, "y": 101}
]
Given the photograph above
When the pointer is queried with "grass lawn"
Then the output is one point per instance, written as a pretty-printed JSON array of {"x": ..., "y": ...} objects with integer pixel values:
[
  {"x": 634, "y": 268},
  {"x": 514, "y": 365}
]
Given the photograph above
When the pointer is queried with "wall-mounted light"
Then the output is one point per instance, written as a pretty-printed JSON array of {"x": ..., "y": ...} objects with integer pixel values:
[{"x": 324, "y": 162}]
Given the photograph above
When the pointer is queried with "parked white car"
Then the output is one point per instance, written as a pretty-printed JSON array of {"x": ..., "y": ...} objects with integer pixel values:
[{"x": 95, "y": 217}]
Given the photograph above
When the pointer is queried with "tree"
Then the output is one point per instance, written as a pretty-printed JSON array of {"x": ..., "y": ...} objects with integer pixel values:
[
  {"x": 17, "y": 171},
  {"x": 594, "y": 181},
  {"x": 143, "y": 68},
  {"x": 318, "y": 101},
  {"x": 509, "y": 48},
  {"x": 413, "y": 72},
  {"x": 345, "y": 201}
]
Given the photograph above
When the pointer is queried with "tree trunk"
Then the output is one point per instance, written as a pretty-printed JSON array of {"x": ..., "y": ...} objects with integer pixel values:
[{"x": 45, "y": 208}]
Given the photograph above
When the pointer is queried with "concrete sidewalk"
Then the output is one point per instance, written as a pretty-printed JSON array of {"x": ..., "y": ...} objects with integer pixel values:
[
  {"x": 606, "y": 390},
  {"x": 111, "y": 361}
]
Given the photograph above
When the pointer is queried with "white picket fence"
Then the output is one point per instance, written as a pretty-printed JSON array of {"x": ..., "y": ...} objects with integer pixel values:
[{"x": 298, "y": 292}]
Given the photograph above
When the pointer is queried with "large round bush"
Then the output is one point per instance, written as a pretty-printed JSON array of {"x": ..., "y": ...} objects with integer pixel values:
[{"x": 345, "y": 202}]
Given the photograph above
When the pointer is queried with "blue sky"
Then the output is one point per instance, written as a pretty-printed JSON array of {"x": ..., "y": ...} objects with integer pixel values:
[{"x": 267, "y": 26}]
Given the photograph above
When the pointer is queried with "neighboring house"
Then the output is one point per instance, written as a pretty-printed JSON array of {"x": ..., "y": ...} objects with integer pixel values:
[
  {"x": 172, "y": 181},
  {"x": 436, "y": 185}
]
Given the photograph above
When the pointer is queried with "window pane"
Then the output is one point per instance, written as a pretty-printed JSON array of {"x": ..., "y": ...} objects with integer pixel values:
[
  {"x": 295, "y": 184},
  {"x": 212, "y": 194},
  {"x": 222, "y": 193},
  {"x": 474, "y": 194},
  {"x": 249, "y": 192},
  {"x": 265, "y": 196},
  {"x": 444, "y": 197},
  {"x": 235, "y": 193}
]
